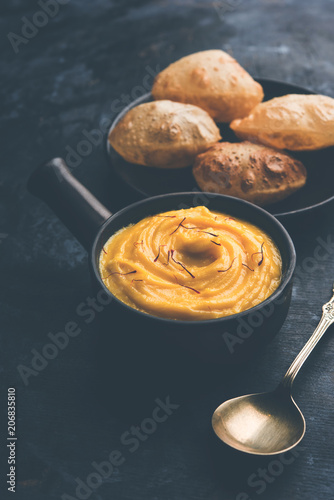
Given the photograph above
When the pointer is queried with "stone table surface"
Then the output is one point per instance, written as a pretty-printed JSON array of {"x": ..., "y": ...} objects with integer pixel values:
[{"x": 64, "y": 74}]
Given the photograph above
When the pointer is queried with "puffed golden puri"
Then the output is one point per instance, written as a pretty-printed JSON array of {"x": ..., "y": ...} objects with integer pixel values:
[
  {"x": 191, "y": 264},
  {"x": 212, "y": 80},
  {"x": 295, "y": 122},
  {"x": 164, "y": 134},
  {"x": 249, "y": 171}
]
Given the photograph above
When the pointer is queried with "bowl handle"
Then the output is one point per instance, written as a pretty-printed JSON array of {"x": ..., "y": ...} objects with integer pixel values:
[{"x": 77, "y": 208}]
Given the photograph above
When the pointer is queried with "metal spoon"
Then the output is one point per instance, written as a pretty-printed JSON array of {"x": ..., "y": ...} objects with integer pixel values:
[{"x": 270, "y": 422}]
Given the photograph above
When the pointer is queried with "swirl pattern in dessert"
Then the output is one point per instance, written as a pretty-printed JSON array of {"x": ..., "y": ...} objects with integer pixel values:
[{"x": 191, "y": 264}]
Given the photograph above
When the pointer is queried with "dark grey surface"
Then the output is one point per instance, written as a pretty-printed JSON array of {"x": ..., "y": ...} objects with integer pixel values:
[{"x": 62, "y": 82}]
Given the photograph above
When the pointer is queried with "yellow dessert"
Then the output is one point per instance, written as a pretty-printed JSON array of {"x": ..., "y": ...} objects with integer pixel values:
[{"x": 191, "y": 264}]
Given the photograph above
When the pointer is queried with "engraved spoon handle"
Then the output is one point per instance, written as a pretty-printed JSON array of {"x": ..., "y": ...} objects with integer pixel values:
[{"x": 326, "y": 320}]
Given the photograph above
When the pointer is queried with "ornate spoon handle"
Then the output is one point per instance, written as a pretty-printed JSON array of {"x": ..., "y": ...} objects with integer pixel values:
[{"x": 326, "y": 320}]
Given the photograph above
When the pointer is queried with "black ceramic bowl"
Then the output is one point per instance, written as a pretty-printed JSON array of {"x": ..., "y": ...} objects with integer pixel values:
[{"x": 228, "y": 339}]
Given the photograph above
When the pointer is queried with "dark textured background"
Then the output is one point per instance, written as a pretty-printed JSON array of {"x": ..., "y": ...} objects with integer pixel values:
[{"x": 64, "y": 81}]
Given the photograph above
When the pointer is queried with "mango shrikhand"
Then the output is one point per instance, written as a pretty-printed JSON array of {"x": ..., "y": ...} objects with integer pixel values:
[{"x": 191, "y": 264}]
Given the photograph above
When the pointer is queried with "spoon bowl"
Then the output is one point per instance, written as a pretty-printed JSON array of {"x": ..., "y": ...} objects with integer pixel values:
[{"x": 263, "y": 424}]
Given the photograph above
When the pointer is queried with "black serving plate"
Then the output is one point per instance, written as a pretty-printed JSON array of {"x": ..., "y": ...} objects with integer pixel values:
[{"x": 319, "y": 188}]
